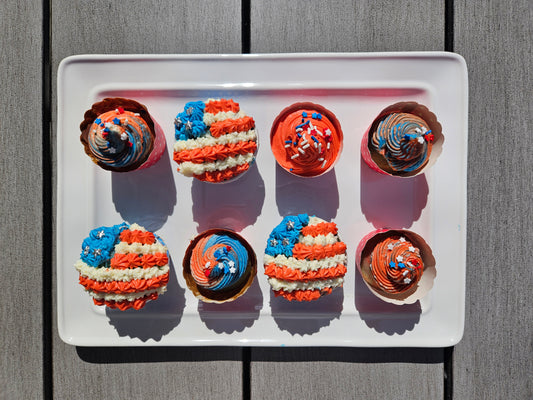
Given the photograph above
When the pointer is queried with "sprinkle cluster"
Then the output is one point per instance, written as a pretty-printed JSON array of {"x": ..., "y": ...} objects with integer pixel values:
[
  {"x": 284, "y": 236},
  {"x": 189, "y": 124},
  {"x": 97, "y": 248}
]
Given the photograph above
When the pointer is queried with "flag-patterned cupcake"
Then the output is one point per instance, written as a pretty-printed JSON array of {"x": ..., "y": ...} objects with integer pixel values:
[
  {"x": 123, "y": 266},
  {"x": 304, "y": 258},
  {"x": 215, "y": 140}
]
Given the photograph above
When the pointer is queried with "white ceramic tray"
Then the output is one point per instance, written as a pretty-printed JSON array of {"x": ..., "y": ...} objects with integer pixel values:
[{"x": 355, "y": 87}]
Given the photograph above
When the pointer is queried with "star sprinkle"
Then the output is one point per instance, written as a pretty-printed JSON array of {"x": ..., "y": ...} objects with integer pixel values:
[
  {"x": 407, "y": 281},
  {"x": 392, "y": 265},
  {"x": 116, "y": 121},
  {"x": 189, "y": 111},
  {"x": 221, "y": 266},
  {"x": 86, "y": 250},
  {"x": 178, "y": 123},
  {"x": 390, "y": 246},
  {"x": 124, "y": 136},
  {"x": 285, "y": 242},
  {"x": 232, "y": 270},
  {"x": 273, "y": 242},
  {"x": 420, "y": 139},
  {"x": 399, "y": 258},
  {"x": 112, "y": 150},
  {"x": 97, "y": 252},
  {"x": 100, "y": 234},
  {"x": 231, "y": 263},
  {"x": 108, "y": 124},
  {"x": 188, "y": 126},
  {"x": 402, "y": 239},
  {"x": 290, "y": 225},
  {"x": 412, "y": 249}
]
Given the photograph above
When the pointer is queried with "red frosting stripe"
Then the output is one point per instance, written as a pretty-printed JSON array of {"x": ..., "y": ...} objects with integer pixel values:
[
  {"x": 303, "y": 295},
  {"x": 133, "y": 286},
  {"x": 218, "y": 176},
  {"x": 317, "y": 252},
  {"x": 289, "y": 274},
  {"x": 133, "y": 260},
  {"x": 214, "y": 153},
  {"x": 243, "y": 124},
  {"x": 137, "y": 304},
  {"x": 222, "y": 105},
  {"x": 138, "y": 236},
  {"x": 322, "y": 228}
]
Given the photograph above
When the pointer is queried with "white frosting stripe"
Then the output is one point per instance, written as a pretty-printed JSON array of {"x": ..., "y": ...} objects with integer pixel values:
[
  {"x": 190, "y": 169},
  {"x": 321, "y": 240},
  {"x": 305, "y": 265},
  {"x": 290, "y": 286},
  {"x": 139, "y": 248},
  {"x": 210, "y": 118},
  {"x": 208, "y": 140},
  {"x": 123, "y": 275},
  {"x": 126, "y": 296}
]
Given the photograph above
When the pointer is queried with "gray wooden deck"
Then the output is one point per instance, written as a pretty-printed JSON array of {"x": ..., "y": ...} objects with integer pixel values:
[{"x": 494, "y": 359}]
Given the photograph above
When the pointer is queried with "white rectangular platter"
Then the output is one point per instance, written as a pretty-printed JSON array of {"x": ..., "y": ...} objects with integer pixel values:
[{"x": 356, "y": 87}]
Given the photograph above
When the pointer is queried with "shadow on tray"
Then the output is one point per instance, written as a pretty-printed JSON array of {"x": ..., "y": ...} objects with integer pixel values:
[
  {"x": 233, "y": 316},
  {"x": 306, "y": 317},
  {"x": 147, "y": 196}
]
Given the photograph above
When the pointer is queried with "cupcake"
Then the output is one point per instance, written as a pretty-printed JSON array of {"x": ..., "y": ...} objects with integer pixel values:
[
  {"x": 219, "y": 266},
  {"x": 215, "y": 140},
  {"x": 306, "y": 139},
  {"x": 123, "y": 266},
  {"x": 304, "y": 258},
  {"x": 403, "y": 140},
  {"x": 396, "y": 265},
  {"x": 119, "y": 135}
]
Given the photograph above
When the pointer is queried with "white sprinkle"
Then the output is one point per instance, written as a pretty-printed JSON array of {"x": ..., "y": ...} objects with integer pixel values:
[
  {"x": 327, "y": 147},
  {"x": 125, "y": 120},
  {"x": 399, "y": 258},
  {"x": 420, "y": 139},
  {"x": 328, "y": 132},
  {"x": 320, "y": 133},
  {"x": 417, "y": 130},
  {"x": 402, "y": 239},
  {"x": 287, "y": 146},
  {"x": 294, "y": 156},
  {"x": 409, "y": 264},
  {"x": 137, "y": 114},
  {"x": 412, "y": 249},
  {"x": 207, "y": 264},
  {"x": 305, "y": 146},
  {"x": 301, "y": 151},
  {"x": 407, "y": 280},
  {"x": 320, "y": 147},
  {"x": 108, "y": 124},
  {"x": 390, "y": 246},
  {"x": 220, "y": 266},
  {"x": 316, "y": 145},
  {"x": 405, "y": 272},
  {"x": 321, "y": 159},
  {"x": 324, "y": 164},
  {"x": 299, "y": 129}
]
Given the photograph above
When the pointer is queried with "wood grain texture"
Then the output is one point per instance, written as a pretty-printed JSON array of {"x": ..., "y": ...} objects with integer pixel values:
[
  {"x": 106, "y": 27},
  {"x": 312, "y": 26},
  {"x": 20, "y": 199},
  {"x": 341, "y": 25},
  {"x": 494, "y": 359}
]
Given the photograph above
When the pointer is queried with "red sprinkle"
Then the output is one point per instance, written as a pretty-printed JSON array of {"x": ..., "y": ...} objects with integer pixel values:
[
  {"x": 120, "y": 110},
  {"x": 228, "y": 248},
  {"x": 430, "y": 137},
  {"x": 207, "y": 272},
  {"x": 129, "y": 144}
]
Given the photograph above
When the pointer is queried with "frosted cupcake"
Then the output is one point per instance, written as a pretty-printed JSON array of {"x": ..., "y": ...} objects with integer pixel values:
[
  {"x": 306, "y": 139},
  {"x": 219, "y": 266},
  {"x": 120, "y": 135},
  {"x": 403, "y": 140},
  {"x": 215, "y": 140},
  {"x": 304, "y": 258},
  {"x": 123, "y": 266},
  {"x": 397, "y": 265}
]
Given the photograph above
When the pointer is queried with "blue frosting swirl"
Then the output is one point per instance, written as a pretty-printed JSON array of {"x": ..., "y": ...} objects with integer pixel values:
[
  {"x": 98, "y": 247},
  {"x": 284, "y": 236},
  {"x": 189, "y": 124},
  {"x": 233, "y": 259}
]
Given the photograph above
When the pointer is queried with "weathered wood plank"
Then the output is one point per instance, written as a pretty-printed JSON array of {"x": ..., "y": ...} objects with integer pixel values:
[
  {"x": 105, "y": 27},
  {"x": 20, "y": 199},
  {"x": 494, "y": 358},
  {"x": 331, "y": 27}
]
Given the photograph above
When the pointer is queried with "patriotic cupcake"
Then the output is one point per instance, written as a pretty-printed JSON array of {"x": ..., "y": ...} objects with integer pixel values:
[
  {"x": 215, "y": 140},
  {"x": 396, "y": 265},
  {"x": 304, "y": 258},
  {"x": 123, "y": 266},
  {"x": 403, "y": 140},
  {"x": 120, "y": 135},
  {"x": 306, "y": 139},
  {"x": 219, "y": 266}
]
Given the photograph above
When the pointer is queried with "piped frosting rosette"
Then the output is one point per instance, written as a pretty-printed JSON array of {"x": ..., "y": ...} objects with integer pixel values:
[
  {"x": 123, "y": 266},
  {"x": 215, "y": 140},
  {"x": 304, "y": 258},
  {"x": 219, "y": 266},
  {"x": 397, "y": 265},
  {"x": 306, "y": 139},
  {"x": 403, "y": 140},
  {"x": 120, "y": 135}
]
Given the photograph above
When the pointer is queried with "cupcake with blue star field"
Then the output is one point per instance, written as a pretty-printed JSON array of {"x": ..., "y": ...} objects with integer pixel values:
[
  {"x": 403, "y": 140},
  {"x": 120, "y": 135},
  {"x": 215, "y": 140},
  {"x": 123, "y": 266},
  {"x": 305, "y": 258},
  {"x": 397, "y": 265},
  {"x": 219, "y": 266}
]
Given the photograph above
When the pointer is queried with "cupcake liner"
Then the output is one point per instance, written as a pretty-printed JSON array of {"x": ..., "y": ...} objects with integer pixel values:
[
  {"x": 306, "y": 106},
  {"x": 415, "y": 293},
  {"x": 108, "y": 104},
  {"x": 237, "y": 289},
  {"x": 376, "y": 161}
]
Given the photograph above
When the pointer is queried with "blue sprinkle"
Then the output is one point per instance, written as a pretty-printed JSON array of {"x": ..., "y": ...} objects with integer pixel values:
[
  {"x": 401, "y": 265},
  {"x": 392, "y": 265},
  {"x": 102, "y": 124},
  {"x": 314, "y": 138},
  {"x": 106, "y": 129},
  {"x": 97, "y": 121},
  {"x": 319, "y": 116},
  {"x": 288, "y": 141},
  {"x": 299, "y": 134},
  {"x": 116, "y": 121},
  {"x": 304, "y": 114},
  {"x": 313, "y": 115},
  {"x": 295, "y": 144}
]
